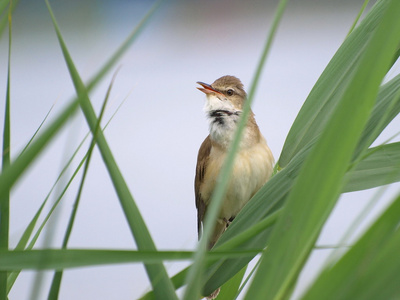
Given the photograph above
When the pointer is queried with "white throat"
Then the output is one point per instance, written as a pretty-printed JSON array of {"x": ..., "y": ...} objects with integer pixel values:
[{"x": 223, "y": 118}]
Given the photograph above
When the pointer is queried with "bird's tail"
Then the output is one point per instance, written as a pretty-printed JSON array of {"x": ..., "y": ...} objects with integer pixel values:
[{"x": 219, "y": 229}]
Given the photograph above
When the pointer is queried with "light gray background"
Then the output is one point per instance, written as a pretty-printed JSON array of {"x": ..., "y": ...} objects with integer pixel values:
[{"x": 157, "y": 132}]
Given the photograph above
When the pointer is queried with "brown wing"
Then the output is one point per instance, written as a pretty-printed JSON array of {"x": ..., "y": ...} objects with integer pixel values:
[{"x": 202, "y": 160}]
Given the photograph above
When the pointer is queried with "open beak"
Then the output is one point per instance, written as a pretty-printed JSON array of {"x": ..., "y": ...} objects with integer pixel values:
[{"x": 207, "y": 89}]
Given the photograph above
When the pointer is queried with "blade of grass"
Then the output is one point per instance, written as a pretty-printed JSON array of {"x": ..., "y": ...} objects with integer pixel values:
[
  {"x": 37, "y": 130},
  {"x": 59, "y": 259},
  {"x": 319, "y": 182},
  {"x": 156, "y": 272},
  {"x": 3, "y": 7},
  {"x": 363, "y": 7},
  {"x": 5, "y": 198},
  {"x": 56, "y": 282},
  {"x": 195, "y": 274}
]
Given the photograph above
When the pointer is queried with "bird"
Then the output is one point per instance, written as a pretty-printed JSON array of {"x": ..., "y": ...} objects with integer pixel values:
[{"x": 253, "y": 165}]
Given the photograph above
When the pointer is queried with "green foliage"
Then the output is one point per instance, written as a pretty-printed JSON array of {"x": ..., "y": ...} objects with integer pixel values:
[
  {"x": 369, "y": 269},
  {"x": 327, "y": 152},
  {"x": 320, "y": 179},
  {"x": 5, "y": 197}
]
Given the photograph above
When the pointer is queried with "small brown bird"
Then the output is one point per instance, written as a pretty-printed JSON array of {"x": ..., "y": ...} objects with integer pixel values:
[{"x": 254, "y": 161}]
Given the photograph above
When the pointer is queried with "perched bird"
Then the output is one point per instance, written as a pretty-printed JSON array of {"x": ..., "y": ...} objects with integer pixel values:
[{"x": 254, "y": 160}]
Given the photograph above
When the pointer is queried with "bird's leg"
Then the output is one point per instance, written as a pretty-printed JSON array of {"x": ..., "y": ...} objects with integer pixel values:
[{"x": 228, "y": 221}]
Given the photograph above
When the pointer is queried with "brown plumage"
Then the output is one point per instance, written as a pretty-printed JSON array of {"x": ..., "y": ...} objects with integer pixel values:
[
  {"x": 202, "y": 160},
  {"x": 254, "y": 161}
]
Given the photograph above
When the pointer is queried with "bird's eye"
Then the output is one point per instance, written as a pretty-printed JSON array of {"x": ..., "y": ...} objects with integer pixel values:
[{"x": 229, "y": 92}]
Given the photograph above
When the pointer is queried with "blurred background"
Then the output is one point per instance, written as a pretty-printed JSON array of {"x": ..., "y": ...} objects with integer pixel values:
[{"x": 160, "y": 126}]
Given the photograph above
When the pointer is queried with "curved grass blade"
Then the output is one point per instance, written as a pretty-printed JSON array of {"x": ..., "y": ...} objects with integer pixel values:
[
  {"x": 3, "y": 7},
  {"x": 5, "y": 197},
  {"x": 195, "y": 274},
  {"x": 156, "y": 272},
  {"x": 363, "y": 7},
  {"x": 56, "y": 282},
  {"x": 37, "y": 130},
  {"x": 319, "y": 182},
  {"x": 330, "y": 87},
  {"x": 60, "y": 259}
]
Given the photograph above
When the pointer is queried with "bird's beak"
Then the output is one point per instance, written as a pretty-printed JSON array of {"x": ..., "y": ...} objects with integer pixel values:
[{"x": 207, "y": 89}]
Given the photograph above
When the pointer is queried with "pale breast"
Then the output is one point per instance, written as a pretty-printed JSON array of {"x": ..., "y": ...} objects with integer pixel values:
[{"x": 252, "y": 168}]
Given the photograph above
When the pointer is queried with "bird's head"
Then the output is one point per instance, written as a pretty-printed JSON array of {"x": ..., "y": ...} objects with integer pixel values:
[{"x": 224, "y": 92}]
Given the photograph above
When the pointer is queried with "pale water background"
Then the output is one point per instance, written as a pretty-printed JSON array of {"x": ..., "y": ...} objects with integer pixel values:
[{"x": 157, "y": 132}]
